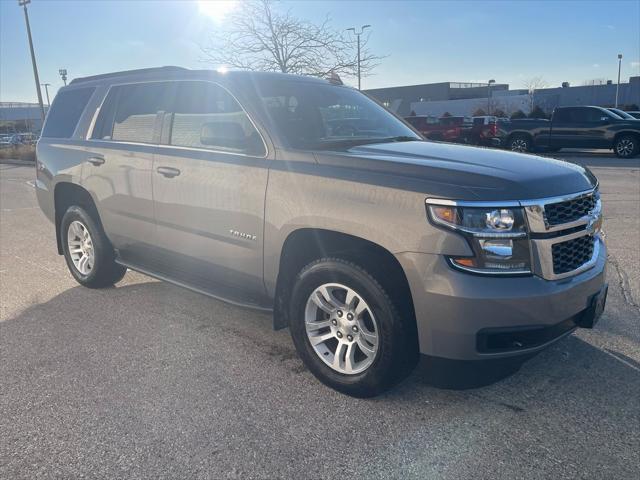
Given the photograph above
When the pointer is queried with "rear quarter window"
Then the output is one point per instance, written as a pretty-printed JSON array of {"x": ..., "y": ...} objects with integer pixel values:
[
  {"x": 129, "y": 112},
  {"x": 66, "y": 111}
]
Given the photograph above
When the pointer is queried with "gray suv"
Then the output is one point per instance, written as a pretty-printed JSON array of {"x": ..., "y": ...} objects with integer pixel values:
[{"x": 307, "y": 198}]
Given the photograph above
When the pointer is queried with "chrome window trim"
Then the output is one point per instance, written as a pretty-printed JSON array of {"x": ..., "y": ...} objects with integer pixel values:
[{"x": 97, "y": 112}]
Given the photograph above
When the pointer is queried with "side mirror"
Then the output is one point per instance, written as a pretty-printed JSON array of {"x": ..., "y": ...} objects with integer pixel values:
[{"x": 604, "y": 119}]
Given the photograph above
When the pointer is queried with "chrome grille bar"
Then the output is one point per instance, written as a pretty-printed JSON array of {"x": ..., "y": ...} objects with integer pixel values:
[{"x": 542, "y": 248}]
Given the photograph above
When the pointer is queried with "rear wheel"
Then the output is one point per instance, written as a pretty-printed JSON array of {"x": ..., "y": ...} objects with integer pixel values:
[
  {"x": 519, "y": 143},
  {"x": 626, "y": 146},
  {"x": 87, "y": 251},
  {"x": 347, "y": 330}
]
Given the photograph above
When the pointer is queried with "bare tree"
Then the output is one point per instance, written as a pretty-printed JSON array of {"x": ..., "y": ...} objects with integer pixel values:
[
  {"x": 535, "y": 83},
  {"x": 532, "y": 84},
  {"x": 259, "y": 37}
]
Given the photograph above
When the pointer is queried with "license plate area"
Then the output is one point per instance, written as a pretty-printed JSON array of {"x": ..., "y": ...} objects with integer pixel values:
[{"x": 594, "y": 311}]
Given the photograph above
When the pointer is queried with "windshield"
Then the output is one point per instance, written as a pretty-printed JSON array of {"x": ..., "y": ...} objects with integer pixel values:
[
  {"x": 622, "y": 114},
  {"x": 311, "y": 115}
]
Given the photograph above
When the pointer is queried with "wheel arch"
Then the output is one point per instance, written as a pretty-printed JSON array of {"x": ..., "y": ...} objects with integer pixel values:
[
  {"x": 624, "y": 133},
  {"x": 520, "y": 133},
  {"x": 305, "y": 245},
  {"x": 66, "y": 194}
]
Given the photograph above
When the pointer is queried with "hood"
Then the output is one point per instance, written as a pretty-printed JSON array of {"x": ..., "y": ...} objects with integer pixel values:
[{"x": 462, "y": 172}]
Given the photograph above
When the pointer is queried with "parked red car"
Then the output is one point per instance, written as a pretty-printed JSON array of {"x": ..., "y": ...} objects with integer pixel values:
[
  {"x": 485, "y": 129},
  {"x": 444, "y": 129}
]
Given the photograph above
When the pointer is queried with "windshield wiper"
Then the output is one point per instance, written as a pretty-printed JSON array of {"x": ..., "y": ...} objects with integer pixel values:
[{"x": 401, "y": 138}]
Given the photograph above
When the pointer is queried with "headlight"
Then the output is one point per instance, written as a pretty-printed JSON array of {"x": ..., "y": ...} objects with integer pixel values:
[{"x": 497, "y": 235}]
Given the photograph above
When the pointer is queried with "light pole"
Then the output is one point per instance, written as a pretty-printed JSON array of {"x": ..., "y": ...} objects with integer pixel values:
[
  {"x": 489, "y": 96},
  {"x": 23, "y": 4},
  {"x": 46, "y": 89},
  {"x": 63, "y": 74},
  {"x": 357, "y": 34},
  {"x": 618, "y": 84}
]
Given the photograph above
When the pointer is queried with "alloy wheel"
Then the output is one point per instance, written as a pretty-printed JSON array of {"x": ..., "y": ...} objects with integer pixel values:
[
  {"x": 80, "y": 247},
  {"x": 519, "y": 145},
  {"x": 341, "y": 328},
  {"x": 625, "y": 147}
]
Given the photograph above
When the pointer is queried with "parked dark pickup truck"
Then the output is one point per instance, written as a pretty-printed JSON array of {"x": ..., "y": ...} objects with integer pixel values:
[{"x": 573, "y": 127}]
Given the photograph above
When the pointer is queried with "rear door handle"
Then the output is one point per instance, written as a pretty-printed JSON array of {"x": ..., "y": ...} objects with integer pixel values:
[
  {"x": 95, "y": 160},
  {"x": 168, "y": 172}
]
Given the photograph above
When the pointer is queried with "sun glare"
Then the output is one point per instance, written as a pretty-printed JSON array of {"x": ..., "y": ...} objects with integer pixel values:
[{"x": 217, "y": 10}]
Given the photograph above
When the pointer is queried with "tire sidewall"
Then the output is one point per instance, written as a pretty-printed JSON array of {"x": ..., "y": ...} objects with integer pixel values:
[
  {"x": 379, "y": 375},
  {"x": 524, "y": 139},
  {"x": 634, "y": 151},
  {"x": 76, "y": 213}
]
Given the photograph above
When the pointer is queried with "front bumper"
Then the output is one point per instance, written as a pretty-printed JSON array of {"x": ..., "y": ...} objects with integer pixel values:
[{"x": 452, "y": 307}]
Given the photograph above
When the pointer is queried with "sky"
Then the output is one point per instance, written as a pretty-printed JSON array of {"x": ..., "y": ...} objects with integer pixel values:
[{"x": 422, "y": 41}]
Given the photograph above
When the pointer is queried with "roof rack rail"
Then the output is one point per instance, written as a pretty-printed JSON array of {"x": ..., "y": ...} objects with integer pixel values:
[{"x": 166, "y": 69}]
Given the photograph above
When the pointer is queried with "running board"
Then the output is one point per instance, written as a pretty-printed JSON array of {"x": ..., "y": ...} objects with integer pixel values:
[{"x": 236, "y": 303}]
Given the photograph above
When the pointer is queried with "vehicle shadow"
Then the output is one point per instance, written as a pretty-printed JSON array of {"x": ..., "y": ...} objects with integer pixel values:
[
  {"x": 154, "y": 371},
  {"x": 144, "y": 312}
]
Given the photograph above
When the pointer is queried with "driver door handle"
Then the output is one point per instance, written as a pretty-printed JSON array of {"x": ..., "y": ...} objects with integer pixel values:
[
  {"x": 96, "y": 160},
  {"x": 168, "y": 172}
]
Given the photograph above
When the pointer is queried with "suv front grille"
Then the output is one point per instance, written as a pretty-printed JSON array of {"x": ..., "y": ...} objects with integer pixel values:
[
  {"x": 569, "y": 211},
  {"x": 572, "y": 254}
]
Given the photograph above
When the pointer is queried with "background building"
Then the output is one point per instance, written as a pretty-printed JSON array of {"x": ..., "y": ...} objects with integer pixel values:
[
  {"x": 466, "y": 98},
  {"x": 400, "y": 99},
  {"x": 18, "y": 117}
]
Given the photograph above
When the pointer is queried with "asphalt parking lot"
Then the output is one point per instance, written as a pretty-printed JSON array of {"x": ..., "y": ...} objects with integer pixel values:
[{"x": 147, "y": 380}]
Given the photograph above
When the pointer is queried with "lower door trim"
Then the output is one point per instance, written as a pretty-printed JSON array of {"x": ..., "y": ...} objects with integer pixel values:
[{"x": 164, "y": 278}]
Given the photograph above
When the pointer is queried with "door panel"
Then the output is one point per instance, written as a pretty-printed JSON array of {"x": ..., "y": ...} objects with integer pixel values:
[
  {"x": 209, "y": 184},
  {"x": 120, "y": 161},
  {"x": 210, "y": 218},
  {"x": 122, "y": 189},
  {"x": 582, "y": 128}
]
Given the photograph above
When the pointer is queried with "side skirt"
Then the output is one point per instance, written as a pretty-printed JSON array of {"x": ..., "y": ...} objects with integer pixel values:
[{"x": 164, "y": 278}]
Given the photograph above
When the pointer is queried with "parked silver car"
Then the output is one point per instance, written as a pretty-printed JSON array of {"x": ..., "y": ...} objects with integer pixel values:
[{"x": 369, "y": 243}]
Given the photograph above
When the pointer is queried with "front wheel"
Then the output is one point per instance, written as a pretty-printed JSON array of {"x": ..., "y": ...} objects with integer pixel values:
[
  {"x": 88, "y": 252},
  {"x": 626, "y": 146},
  {"x": 347, "y": 330},
  {"x": 520, "y": 143}
]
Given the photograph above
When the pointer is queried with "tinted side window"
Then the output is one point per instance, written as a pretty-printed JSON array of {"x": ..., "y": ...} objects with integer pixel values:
[
  {"x": 563, "y": 115},
  {"x": 129, "y": 112},
  {"x": 590, "y": 115},
  {"x": 207, "y": 116},
  {"x": 65, "y": 112}
]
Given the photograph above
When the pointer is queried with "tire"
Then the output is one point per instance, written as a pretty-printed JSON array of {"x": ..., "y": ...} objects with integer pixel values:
[
  {"x": 99, "y": 269},
  {"x": 520, "y": 143},
  {"x": 626, "y": 146},
  {"x": 365, "y": 375}
]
